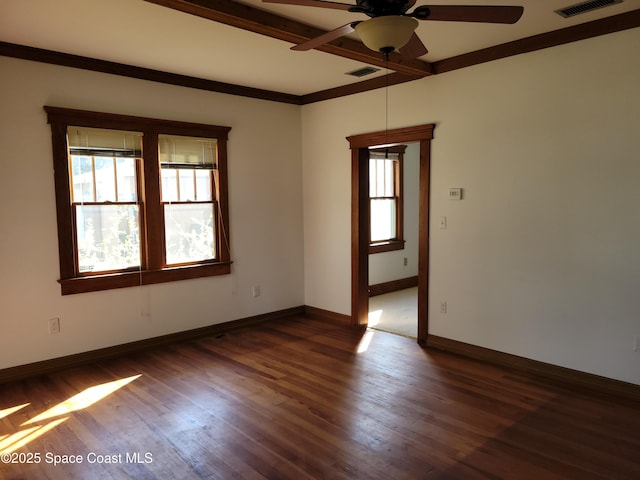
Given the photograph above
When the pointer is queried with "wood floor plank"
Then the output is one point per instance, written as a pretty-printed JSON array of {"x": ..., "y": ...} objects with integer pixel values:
[{"x": 297, "y": 399}]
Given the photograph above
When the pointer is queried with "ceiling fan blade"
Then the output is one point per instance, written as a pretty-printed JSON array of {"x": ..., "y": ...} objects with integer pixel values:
[
  {"x": 414, "y": 48},
  {"x": 326, "y": 37},
  {"x": 469, "y": 13},
  {"x": 313, "y": 3}
]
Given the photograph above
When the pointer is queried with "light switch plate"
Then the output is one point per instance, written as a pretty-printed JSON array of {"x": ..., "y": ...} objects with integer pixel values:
[{"x": 455, "y": 194}]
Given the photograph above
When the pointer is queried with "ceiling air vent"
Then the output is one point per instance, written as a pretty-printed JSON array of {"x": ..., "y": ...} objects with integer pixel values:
[
  {"x": 585, "y": 7},
  {"x": 361, "y": 72}
]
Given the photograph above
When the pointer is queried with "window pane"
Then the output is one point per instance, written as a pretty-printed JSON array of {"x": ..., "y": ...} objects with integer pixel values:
[
  {"x": 388, "y": 179},
  {"x": 372, "y": 178},
  {"x": 383, "y": 221},
  {"x": 126, "y": 179},
  {"x": 203, "y": 185},
  {"x": 380, "y": 178},
  {"x": 169, "y": 185},
  {"x": 187, "y": 185},
  {"x": 82, "y": 174},
  {"x": 189, "y": 233},
  {"x": 108, "y": 237},
  {"x": 105, "y": 179}
]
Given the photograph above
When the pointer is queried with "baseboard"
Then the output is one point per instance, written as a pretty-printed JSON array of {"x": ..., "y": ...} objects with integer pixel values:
[
  {"x": 48, "y": 366},
  {"x": 327, "y": 315},
  {"x": 560, "y": 375},
  {"x": 392, "y": 286}
]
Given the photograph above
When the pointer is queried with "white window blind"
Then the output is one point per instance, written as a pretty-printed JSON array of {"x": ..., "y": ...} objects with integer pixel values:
[
  {"x": 102, "y": 142},
  {"x": 187, "y": 152}
]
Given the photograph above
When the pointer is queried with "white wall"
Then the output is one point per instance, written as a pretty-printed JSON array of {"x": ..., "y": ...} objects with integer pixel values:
[
  {"x": 388, "y": 266},
  {"x": 541, "y": 258},
  {"x": 265, "y": 201}
]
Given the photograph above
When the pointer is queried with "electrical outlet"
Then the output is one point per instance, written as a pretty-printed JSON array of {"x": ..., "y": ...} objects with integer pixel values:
[
  {"x": 443, "y": 306},
  {"x": 54, "y": 326},
  {"x": 405, "y": 261},
  {"x": 256, "y": 291},
  {"x": 636, "y": 344}
]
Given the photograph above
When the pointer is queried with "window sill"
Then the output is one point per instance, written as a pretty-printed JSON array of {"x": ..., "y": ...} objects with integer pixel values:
[
  {"x": 389, "y": 246},
  {"x": 97, "y": 283}
]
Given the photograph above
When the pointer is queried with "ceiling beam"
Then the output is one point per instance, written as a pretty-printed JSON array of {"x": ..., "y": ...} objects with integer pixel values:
[{"x": 266, "y": 23}]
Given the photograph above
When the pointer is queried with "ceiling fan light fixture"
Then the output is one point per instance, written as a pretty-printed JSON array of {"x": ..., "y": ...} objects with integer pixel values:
[{"x": 388, "y": 33}]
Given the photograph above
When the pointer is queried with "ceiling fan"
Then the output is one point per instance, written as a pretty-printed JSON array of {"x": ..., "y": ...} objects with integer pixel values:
[{"x": 392, "y": 27}]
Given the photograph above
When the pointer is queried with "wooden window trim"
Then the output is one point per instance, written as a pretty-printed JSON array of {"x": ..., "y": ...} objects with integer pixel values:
[
  {"x": 398, "y": 242},
  {"x": 390, "y": 246},
  {"x": 153, "y": 270}
]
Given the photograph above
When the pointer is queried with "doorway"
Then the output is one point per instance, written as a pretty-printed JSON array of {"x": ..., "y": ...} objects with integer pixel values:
[
  {"x": 360, "y": 145},
  {"x": 394, "y": 177}
]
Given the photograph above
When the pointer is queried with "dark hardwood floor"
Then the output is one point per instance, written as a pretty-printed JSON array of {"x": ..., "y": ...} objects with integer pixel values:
[{"x": 294, "y": 399}]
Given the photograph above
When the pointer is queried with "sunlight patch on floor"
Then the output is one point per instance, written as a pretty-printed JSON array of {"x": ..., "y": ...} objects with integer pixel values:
[
  {"x": 8, "y": 411},
  {"x": 363, "y": 346},
  {"x": 84, "y": 399},
  {"x": 23, "y": 437}
]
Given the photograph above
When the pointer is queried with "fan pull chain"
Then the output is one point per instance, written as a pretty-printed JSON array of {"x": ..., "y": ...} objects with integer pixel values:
[{"x": 386, "y": 95}]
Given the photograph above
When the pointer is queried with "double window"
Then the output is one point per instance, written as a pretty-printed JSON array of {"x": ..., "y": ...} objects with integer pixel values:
[
  {"x": 139, "y": 200},
  {"x": 385, "y": 199}
]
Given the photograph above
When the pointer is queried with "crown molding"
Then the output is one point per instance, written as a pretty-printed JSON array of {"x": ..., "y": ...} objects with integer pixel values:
[{"x": 132, "y": 71}]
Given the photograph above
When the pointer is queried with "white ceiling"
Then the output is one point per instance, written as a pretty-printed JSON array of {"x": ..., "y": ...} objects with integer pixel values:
[{"x": 139, "y": 33}]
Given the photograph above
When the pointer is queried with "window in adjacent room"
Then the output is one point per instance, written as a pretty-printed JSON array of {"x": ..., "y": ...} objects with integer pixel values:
[
  {"x": 385, "y": 199},
  {"x": 139, "y": 200}
]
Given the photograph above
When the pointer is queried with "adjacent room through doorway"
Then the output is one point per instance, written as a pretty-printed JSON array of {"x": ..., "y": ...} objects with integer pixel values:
[
  {"x": 395, "y": 312},
  {"x": 394, "y": 195}
]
